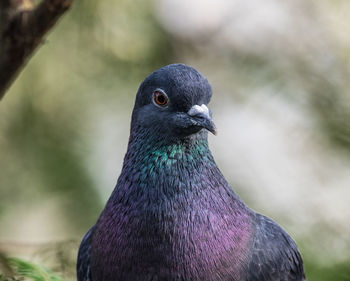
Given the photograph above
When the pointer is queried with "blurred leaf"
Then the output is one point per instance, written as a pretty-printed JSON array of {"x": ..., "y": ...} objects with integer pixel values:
[{"x": 24, "y": 270}]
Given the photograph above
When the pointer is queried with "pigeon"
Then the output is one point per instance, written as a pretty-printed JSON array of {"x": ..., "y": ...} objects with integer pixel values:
[{"x": 172, "y": 215}]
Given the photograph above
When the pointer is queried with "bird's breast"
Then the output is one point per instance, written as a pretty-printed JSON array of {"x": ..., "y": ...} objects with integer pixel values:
[{"x": 197, "y": 241}]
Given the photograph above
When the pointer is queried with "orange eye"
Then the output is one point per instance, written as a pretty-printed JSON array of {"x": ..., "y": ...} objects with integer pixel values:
[{"x": 160, "y": 98}]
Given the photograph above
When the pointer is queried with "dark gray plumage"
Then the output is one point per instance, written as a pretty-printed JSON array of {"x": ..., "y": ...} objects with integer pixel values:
[
  {"x": 275, "y": 255},
  {"x": 172, "y": 215}
]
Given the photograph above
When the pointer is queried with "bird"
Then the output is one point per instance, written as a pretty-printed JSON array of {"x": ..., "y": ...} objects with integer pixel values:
[{"x": 172, "y": 215}]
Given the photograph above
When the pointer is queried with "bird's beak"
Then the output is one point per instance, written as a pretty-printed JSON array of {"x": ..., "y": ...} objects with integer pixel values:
[{"x": 201, "y": 115}]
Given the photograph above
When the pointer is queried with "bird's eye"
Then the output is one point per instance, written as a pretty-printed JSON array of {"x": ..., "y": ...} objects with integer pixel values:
[{"x": 160, "y": 98}]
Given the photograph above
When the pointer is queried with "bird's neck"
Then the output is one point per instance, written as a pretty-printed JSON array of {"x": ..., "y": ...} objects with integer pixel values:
[
  {"x": 149, "y": 155},
  {"x": 163, "y": 170}
]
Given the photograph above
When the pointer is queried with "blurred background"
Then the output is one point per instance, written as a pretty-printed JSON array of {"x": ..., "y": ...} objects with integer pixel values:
[{"x": 280, "y": 75}]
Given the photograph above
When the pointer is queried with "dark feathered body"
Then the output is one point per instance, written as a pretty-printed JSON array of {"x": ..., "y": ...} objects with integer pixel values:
[{"x": 173, "y": 216}]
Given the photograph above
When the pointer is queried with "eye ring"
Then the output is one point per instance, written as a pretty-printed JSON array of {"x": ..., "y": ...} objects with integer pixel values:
[{"x": 160, "y": 98}]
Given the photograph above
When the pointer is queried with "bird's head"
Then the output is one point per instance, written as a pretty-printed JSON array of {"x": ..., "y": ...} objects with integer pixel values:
[{"x": 172, "y": 103}]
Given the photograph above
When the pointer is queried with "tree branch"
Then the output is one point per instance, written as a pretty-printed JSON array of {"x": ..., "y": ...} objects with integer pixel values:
[{"x": 22, "y": 28}]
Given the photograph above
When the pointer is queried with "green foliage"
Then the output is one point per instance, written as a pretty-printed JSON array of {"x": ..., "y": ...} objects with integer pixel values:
[{"x": 18, "y": 269}]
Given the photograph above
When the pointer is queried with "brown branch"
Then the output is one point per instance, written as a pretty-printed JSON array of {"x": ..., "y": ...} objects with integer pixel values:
[{"x": 22, "y": 29}]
